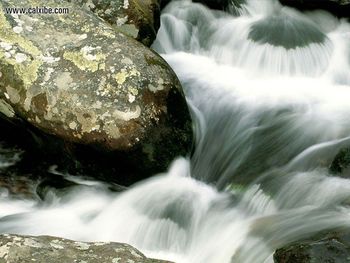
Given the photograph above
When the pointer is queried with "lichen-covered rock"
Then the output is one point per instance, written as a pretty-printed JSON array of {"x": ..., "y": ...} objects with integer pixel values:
[
  {"x": 74, "y": 77},
  {"x": 331, "y": 248},
  {"x": 44, "y": 249},
  {"x": 139, "y": 19},
  {"x": 339, "y": 8}
]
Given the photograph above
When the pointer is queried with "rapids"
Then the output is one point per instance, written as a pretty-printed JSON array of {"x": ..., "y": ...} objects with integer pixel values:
[{"x": 269, "y": 92}]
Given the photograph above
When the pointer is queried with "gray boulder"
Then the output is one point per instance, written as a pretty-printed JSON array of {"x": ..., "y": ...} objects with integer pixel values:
[
  {"x": 44, "y": 249},
  {"x": 74, "y": 77}
]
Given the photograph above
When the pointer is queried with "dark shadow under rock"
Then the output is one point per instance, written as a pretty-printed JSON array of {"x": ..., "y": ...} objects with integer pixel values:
[{"x": 28, "y": 155}]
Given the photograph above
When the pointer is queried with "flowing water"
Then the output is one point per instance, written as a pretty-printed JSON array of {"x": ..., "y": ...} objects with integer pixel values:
[{"x": 269, "y": 91}]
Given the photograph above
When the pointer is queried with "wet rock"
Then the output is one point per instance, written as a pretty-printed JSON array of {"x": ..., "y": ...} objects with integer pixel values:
[
  {"x": 18, "y": 186},
  {"x": 25, "y": 249},
  {"x": 220, "y": 4},
  {"x": 339, "y": 8},
  {"x": 285, "y": 30},
  {"x": 80, "y": 86},
  {"x": 231, "y": 5},
  {"x": 139, "y": 19},
  {"x": 214, "y": 4},
  {"x": 8, "y": 157},
  {"x": 341, "y": 164},
  {"x": 332, "y": 248}
]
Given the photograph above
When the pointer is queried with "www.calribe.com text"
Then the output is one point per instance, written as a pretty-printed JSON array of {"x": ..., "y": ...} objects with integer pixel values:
[{"x": 36, "y": 10}]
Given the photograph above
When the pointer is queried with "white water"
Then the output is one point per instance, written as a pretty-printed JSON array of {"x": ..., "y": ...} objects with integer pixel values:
[{"x": 269, "y": 120}]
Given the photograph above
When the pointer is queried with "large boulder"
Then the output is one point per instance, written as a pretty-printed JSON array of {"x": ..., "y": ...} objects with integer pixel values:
[
  {"x": 73, "y": 80},
  {"x": 44, "y": 249},
  {"x": 339, "y": 8},
  {"x": 331, "y": 248},
  {"x": 139, "y": 19}
]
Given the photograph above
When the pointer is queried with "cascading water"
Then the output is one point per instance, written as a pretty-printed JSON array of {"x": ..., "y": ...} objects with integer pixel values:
[{"x": 269, "y": 89}]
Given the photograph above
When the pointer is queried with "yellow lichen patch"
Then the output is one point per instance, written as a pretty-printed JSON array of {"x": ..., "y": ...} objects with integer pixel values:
[
  {"x": 7, "y": 34},
  {"x": 26, "y": 71},
  {"x": 108, "y": 33},
  {"x": 108, "y": 89},
  {"x": 133, "y": 90},
  {"x": 134, "y": 72},
  {"x": 120, "y": 77},
  {"x": 3, "y": 21},
  {"x": 86, "y": 28},
  {"x": 83, "y": 62}
]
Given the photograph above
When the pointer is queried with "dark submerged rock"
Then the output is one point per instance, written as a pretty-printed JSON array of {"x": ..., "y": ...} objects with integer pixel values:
[
  {"x": 94, "y": 100},
  {"x": 212, "y": 4},
  {"x": 287, "y": 30},
  {"x": 341, "y": 163},
  {"x": 331, "y": 248},
  {"x": 340, "y": 8},
  {"x": 25, "y": 249},
  {"x": 221, "y": 4}
]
